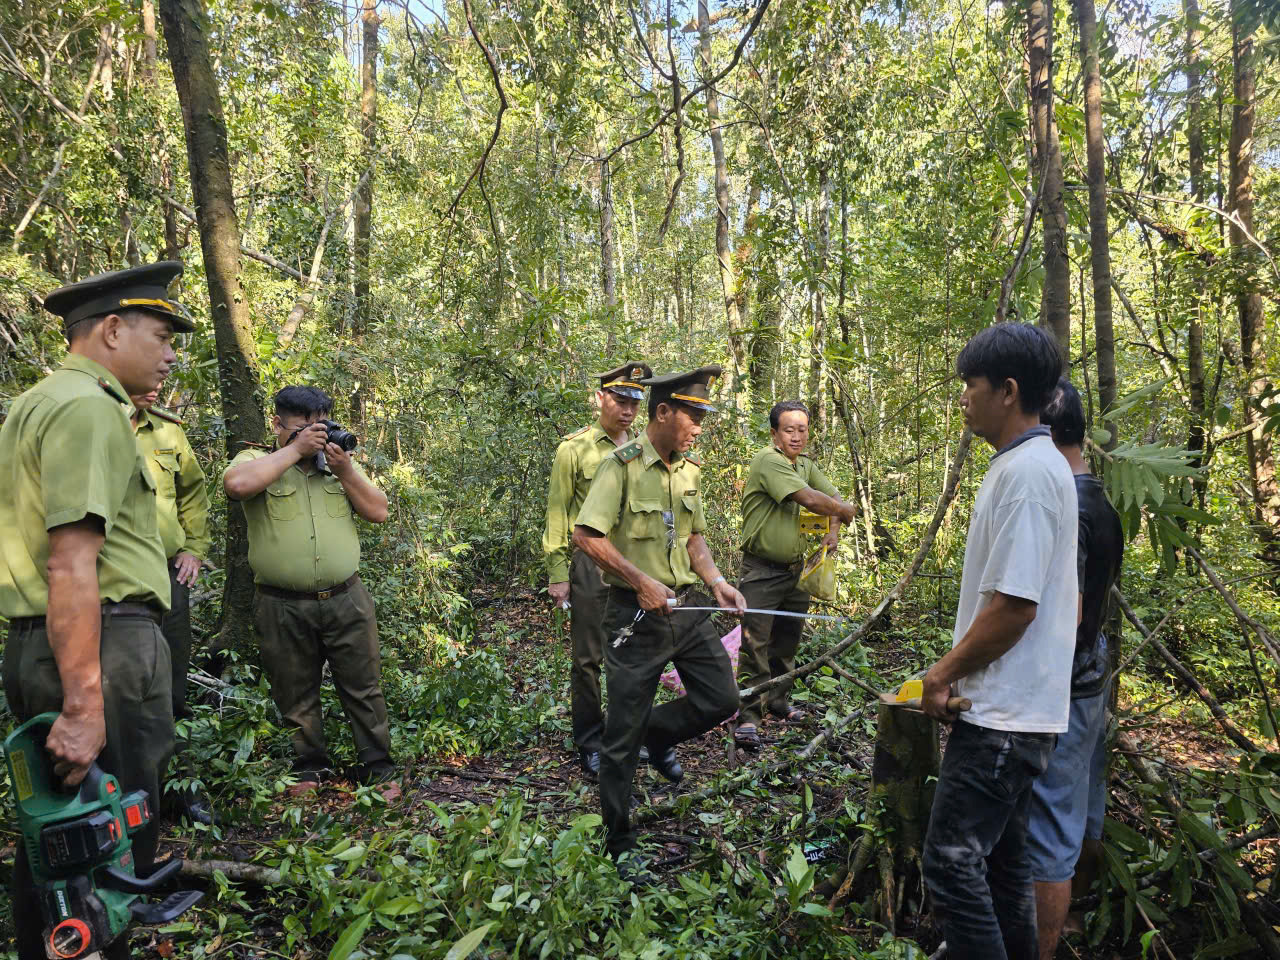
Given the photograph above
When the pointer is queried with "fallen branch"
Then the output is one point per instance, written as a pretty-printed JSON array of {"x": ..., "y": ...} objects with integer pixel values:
[
  {"x": 234, "y": 870},
  {"x": 926, "y": 544},
  {"x": 1186, "y": 676},
  {"x": 731, "y": 784},
  {"x": 1262, "y": 633}
]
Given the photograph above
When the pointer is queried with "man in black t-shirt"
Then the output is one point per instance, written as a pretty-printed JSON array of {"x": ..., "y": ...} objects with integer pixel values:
[{"x": 1064, "y": 823}]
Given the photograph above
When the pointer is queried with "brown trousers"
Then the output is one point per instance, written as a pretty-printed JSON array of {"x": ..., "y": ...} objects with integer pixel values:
[
  {"x": 297, "y": 638},
  {"x": 768, "y": 643}
]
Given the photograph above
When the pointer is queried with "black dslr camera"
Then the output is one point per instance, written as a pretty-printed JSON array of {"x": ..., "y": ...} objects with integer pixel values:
[{"x": 335, "y": 434}]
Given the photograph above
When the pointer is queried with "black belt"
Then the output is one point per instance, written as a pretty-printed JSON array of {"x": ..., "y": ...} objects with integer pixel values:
[
  {"x": 772, "y": 564},
  {"x": 333, "y": 591},
  {"x": 125, "y": 608}
]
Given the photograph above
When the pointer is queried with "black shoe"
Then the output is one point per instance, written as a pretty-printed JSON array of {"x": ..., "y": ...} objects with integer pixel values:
[
  {"x": 380, "y": 771},
  {"x": 196, "y": 808},
  {"x": 633, "y": 867},
  {"x": 590, "y": 760},
  {"x": 644, "y": 754},
  {"x": 666, "y": 764}
]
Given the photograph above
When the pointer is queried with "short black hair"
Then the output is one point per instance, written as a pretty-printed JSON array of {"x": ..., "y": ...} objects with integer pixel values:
[
  {"x": 1064, "y": 415},
  {"x": 786, "y": 406},
  {"x": 1014, "y": 351},
  {"x": 86, "y": 325},
  {"x": 303, "y": 401}
]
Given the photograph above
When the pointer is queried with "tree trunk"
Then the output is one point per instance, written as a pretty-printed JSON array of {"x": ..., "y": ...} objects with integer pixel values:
[
  {"x": 1099, "y": 236},
  {"x": 1055, "y": 297},
  {"x": 364, "y": 200},
  {"x": 186, "y": 30},
  {"x": 1262, "y": 474},
  {"x": 1195, "y": 156},
  {"x": 724, "y": 255},
  {"x": 817, "y": 347}
]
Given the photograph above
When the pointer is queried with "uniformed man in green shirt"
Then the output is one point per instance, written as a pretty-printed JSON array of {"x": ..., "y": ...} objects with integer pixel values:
[
  {"x": 573, "y": 579},
  {"x": 311, "y": 607},
  {"x": 643, "y": 523},
  {"x": 82, "y": 569},
  {"x": 183, "y": 520},
  {"x": 782, "y": 480}
]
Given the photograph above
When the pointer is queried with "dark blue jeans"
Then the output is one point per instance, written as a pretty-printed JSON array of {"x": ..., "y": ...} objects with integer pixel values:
[{"x": 976, "y": 862}]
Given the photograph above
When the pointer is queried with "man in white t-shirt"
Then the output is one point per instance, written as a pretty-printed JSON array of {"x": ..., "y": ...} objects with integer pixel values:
[{"x": 1011, "y": 655}]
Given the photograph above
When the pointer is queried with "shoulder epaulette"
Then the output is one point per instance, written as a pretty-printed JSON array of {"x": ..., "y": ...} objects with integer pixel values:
[
  {"x": 694, "y": 459},
  {"x": 628, "y": 453},
  {"x": 168, "y": 415},
  {"x": 576, "y": 433},
  {"x": 250, "y": 443},
  {"x": 111, "y": 391}
]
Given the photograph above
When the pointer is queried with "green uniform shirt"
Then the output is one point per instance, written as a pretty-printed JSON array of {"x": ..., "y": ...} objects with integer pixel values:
[
  {"x": 182, "y": 500},
  {"x": 631, "y": 490},
  {"x": 577, "y": 457},
  {"x": 302, "y": 530},
  {"x": 67, "y": 451},
  {"x": 771, "y": 522}
]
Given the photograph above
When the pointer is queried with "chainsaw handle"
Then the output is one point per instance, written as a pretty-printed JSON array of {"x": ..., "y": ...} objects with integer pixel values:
[{"x": 40, "y": 725}]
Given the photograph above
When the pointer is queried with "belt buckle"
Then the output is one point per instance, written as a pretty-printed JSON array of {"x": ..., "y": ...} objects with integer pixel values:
[{"x": 324, "y": 594}]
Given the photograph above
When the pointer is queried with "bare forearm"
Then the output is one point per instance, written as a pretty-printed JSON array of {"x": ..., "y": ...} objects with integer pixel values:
[
  {"x": 993, "y": 633},
  {"x": 815, "y": 501},
  {"x": 700, "y": 559},
  {"x": 368, "y": 500},
  {"x": 74, "y": 620},
  {"x": 246, "y": 480}
]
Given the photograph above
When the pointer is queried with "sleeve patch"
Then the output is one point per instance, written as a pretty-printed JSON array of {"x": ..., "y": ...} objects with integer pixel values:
[{"x": 628, "y": 453}]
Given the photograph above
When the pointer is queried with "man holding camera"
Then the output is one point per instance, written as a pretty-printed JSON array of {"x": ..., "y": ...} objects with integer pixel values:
[{"x": 301, "y": 500}]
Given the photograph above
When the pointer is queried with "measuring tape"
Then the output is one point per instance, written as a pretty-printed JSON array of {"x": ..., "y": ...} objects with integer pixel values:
[{"x": 625, "y": 633}]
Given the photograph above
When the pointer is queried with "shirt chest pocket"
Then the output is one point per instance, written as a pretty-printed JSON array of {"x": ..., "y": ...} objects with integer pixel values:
[
  {"x": 164, "y": 470},
  {"x": 336, "y": 503},
  {"x": 646, "y": 518},
  {"x": 145, "y": 497},
  {"x": 282, "y": 500},
  {"x": 685, "y": 512}
]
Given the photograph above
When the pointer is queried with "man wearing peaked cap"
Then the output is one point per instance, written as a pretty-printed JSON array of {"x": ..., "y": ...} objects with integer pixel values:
[
  {"x": 83, "y": 578},
  {"x": 573, "y": 578},
  {"x": 643, "y": 523}
]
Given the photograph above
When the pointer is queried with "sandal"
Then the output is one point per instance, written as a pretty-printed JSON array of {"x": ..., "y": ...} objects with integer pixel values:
[{"x": 747, "y": 736}]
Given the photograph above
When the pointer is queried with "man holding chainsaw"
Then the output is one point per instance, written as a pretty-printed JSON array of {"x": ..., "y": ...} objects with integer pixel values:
[
  {"x": 642, "y": 523},
  {"x": 83, "y": 578},
  {"x": 1013, "y": 643}
]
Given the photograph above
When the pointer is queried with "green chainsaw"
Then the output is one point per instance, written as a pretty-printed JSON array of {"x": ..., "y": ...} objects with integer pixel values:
[{"x": 79, "y": 847}]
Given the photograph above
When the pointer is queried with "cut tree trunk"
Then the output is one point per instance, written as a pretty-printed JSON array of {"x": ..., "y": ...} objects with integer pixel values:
[
  {"x": 1099, "y": 237},
  {"x": 186, "y": 30},
  {"x": 1055, "y": 297}
]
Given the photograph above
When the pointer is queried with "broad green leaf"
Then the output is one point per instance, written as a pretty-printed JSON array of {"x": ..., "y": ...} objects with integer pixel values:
[
  {"x": 464, "y": 947},
  {"x": 350, "y": 937}
]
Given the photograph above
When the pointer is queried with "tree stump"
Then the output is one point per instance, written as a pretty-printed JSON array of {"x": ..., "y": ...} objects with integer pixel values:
[{"x": 903, "y": 775}]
